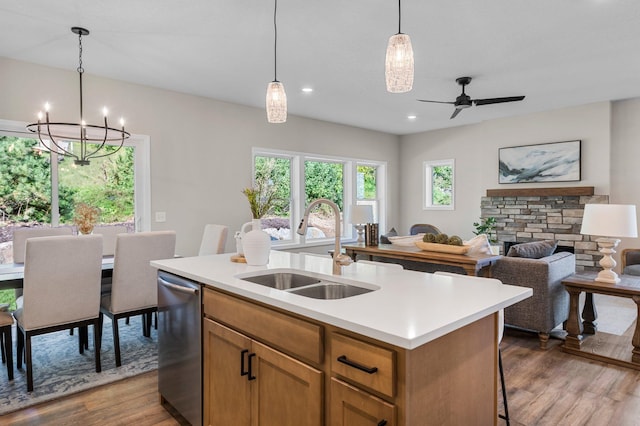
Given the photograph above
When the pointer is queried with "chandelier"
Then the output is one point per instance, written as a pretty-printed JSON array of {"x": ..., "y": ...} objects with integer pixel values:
[
  {"x": 276, "y": 97},
  {"x": 399, "y": 61},
  {"x": 90, "y": 138}
]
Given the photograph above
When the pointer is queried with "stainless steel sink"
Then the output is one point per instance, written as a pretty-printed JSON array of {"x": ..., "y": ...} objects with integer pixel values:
[
  {"x": 283, "y": 280},
  {"x": 329, "y": 291},
  {"x": 309, "y": 285}
]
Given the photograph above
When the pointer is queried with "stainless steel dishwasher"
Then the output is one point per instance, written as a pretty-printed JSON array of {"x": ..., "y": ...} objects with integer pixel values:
[{"x": 180, "y": 345}]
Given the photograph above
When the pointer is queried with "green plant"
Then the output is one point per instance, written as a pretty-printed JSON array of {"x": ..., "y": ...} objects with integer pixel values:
[
  {"x": 261, "y": 199},
  {"x": 487, "y": 225}
]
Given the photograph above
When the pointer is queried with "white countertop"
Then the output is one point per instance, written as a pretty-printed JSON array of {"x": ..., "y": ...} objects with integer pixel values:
[{"x": 409, "y": 309}]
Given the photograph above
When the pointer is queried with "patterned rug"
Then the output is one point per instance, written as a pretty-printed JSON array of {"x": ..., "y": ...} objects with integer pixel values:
[{"x": 59, "y": 370}]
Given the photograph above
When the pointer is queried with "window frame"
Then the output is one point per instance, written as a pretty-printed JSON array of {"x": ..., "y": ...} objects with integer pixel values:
[
  {"x": 297, "y": 202},
  {"x": 142, "y": 173},
  {"x": 427, "y": 179}
]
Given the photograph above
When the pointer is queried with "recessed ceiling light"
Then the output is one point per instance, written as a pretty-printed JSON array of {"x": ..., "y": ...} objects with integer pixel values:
[
  {"x": 412, "y": 117},
  {"x": 307, "y": 89}
]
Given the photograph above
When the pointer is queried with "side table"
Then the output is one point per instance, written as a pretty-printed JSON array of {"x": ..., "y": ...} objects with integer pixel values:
[{"x": 629, "y": 287}]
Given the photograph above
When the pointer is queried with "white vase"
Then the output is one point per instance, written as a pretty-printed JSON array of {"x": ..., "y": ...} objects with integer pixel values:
[{"x": 256, "y": 245}]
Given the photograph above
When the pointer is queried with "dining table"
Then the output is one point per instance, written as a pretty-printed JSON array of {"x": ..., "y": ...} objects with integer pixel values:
[{"x": 12, "y": 274}]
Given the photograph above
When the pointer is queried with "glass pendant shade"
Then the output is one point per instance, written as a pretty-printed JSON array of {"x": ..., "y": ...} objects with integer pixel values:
[
  {"x": 276, "y": 103},
  {"x": 399, "y": 64}
]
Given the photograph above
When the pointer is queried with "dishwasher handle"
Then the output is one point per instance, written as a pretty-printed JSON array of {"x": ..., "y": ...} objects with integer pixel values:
[{"x": 178, "y": 288}]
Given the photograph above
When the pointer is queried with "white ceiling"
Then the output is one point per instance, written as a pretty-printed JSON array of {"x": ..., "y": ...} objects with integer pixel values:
[{"x": 558, "y": 53}]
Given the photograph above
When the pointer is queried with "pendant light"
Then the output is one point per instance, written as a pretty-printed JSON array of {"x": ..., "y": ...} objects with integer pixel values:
[
  {"x": 399, "y": 63},
  {"x": 59, "y": 134},
  {"x": 276, "y": 97}
]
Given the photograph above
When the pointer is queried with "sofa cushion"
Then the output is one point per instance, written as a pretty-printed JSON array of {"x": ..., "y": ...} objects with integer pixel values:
[
  {"x": 533, "y": 250},
  {"x": 384, "y": 239},
  {"x": 632, "y": 270}
]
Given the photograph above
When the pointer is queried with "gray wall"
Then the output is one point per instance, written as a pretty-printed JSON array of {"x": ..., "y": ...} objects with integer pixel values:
[{"x": 200, "y": 148}]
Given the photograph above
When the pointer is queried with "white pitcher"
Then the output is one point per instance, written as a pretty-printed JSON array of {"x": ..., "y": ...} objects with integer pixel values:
[{"x": 256, "y": 244}]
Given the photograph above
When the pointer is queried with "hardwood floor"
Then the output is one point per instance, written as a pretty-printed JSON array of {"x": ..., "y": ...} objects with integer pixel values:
[{"x": 544, "y": 388}]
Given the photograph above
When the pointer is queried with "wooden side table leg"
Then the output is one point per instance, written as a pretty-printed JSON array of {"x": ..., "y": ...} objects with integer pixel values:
[
  {"x": 589, "y": 315},
  {"x": 574, "y": 326},
  {"x": 635, "y": 357}
]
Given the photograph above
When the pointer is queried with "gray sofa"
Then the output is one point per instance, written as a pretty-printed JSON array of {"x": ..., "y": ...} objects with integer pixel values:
[{"x": 549, "y": 305}]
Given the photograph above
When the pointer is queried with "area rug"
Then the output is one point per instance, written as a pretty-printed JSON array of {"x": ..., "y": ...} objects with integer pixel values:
[
  {"x": 59, "y": 370},
  {"x": 615, "y": 314}
]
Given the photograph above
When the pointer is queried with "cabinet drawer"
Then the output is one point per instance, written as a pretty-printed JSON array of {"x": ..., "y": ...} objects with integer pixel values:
[
  {"x": 364, "y": 363},
  {"x": 351, "y": 406},
  {"x": 287, "y": 333}
]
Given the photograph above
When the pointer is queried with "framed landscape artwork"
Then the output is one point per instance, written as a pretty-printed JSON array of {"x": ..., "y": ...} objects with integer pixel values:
[{"x": 547, "y": 162}]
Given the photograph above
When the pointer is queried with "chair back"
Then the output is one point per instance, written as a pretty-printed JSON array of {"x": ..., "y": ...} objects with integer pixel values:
[
  {"x": 134, "y": 284},
  {"x": 471, "y": 278},
  {"x": 109, "y": 233},
  {"x": 214, "y": 239},
  {"x": 61, "y": 280},
  {"x": 420, "y": 228},
  {"x": 20, "y": 237}
]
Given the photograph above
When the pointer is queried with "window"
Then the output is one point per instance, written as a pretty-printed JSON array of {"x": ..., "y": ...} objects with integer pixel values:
[
  {"x": 41, "y": 188},
  {"x": 299, "y": 178},
  {"x": 439, "y": 185}
]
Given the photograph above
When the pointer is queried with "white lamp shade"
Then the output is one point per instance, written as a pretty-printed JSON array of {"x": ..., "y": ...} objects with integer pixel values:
[
  {"x": 276, "y": 103},
  {"x": 361, "y": 214},
  {"x": 399, "y": 64},
  {"x": 610, "y": 220}
]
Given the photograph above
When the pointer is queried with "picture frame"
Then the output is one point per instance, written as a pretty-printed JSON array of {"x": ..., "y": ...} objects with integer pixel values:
[{"x": 545, "y": 162}]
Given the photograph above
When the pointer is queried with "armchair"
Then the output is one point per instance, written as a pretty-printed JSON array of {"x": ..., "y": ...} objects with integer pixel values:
[
  {"x": 631, "y": 261},
  {"x": 549, "y": 305}
]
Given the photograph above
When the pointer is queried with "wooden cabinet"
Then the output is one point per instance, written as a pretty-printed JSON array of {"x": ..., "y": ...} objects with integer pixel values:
[
  {"x": 249, "y": 383},
  {"x": 265, "y": 366}
]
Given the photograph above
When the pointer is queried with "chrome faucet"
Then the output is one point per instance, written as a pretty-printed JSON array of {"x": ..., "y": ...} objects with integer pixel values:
[{"x": 339, "y": 259}]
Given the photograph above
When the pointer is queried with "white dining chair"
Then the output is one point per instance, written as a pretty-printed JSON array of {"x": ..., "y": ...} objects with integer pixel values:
[
  {"x": 21, "y": 235},
  {"x": 61, "y": 291},
  {"x": 109, "y": 233},
  {"x": 385, "y": 264},
  {"x": 214, "y": 239},
  {"x": 134, "y": 288},
  {"x": 504, "y": 416}
]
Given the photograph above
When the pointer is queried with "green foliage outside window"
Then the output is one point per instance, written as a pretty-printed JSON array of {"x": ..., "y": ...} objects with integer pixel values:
[
  {"x": 324, "y": 180},
  {"x": 442, "y": 185}
]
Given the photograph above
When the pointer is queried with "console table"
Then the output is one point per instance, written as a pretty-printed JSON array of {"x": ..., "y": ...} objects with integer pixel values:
[
  {"x": 629, "y": 287},
  {"x": 472, "y": 264}
]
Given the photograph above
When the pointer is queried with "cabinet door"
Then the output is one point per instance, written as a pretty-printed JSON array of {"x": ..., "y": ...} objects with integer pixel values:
[
  {"x": 353, "y": 407},
  {"x": 286, "y": 392},
  {"x": 227, "y": 393}
]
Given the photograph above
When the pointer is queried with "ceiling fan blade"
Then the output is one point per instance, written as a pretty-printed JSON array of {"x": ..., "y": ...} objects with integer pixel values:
[
  {"x": 435, "y": 102},
  {"x": 455, "y": 112},
  {"x": 497, "y": 100}
]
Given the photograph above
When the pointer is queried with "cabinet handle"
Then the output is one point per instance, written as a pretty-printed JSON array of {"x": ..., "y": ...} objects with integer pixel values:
[
  {"x": 382, "y": 423},
  {"x": 251, "y": 376},
  {"x": 343, "y": 359},
  {"x": 242, "y": 370}
]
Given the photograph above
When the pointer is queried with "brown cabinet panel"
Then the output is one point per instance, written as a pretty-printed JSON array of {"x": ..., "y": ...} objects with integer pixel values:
[
  {"x": 227, "y": 394},
  {"x": 347, "y": 354},
  {"x": 353, "y": 407}
]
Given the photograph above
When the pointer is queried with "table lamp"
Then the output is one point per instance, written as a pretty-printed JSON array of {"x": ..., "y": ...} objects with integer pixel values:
[
  {"x": 360, "y": 215},
  {"x": 609, "y": 221}
]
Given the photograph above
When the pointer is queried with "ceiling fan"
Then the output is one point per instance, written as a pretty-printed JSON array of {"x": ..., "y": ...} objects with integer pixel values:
[{"x": 464, "y": 101}]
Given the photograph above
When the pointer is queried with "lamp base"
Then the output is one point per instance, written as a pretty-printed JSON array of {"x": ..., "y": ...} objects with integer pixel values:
[
  {"x": 607, "y": 248},
  {"x": 360, "y": 229}
]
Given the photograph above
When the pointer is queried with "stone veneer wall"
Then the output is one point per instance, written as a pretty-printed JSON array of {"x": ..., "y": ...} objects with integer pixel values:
[{"x": 524, "y": 218}]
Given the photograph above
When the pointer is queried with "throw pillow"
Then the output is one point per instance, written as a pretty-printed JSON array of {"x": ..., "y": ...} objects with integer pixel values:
[
  {"x": 533, "y": 250},
  {"x": 478, "y": 245},
  {"x": 384, "y": 239}
]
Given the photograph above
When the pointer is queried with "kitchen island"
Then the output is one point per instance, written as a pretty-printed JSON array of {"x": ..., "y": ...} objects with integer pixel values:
[{"x": 418, "y": 349}]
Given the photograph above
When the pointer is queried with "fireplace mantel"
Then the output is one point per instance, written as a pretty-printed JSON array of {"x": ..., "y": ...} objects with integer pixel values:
[{"x": 542, "y": 192}]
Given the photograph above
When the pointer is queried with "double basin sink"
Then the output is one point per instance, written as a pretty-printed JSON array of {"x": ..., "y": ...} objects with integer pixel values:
[{"x": 308, "y": 285}]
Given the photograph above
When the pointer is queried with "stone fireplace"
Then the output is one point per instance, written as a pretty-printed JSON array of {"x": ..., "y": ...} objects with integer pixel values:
[{"x": 534, "y": 214}]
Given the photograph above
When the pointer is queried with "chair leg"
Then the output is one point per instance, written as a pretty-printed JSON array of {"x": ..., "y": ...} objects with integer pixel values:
[
  {"x": 20, "y": 349},
  {"x": 97, "y": 342},
  {"x": 7, "y": 347},
  {"x": 116, "y": 341},
  {"x": 2, "y": 347},
  {"x": 155, "y": 320},
  {"x": 504, "y": 391},
  {"x": 27, "y": 348}
]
